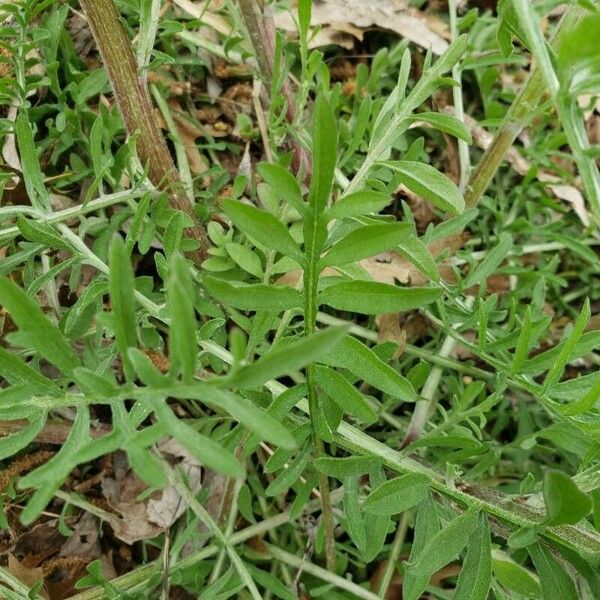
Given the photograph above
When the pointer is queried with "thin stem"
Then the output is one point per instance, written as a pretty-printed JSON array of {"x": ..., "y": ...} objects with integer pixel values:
[
  {"x": 134, "y": 102},
  {"x": 463, "y": 147},
  {"x": 424, "y": 407},
  {"x": 202, "y": 513},
  {"x": 523, "y": 108},
  {"x": 323, "y": 574},
  {"x": 64, "y": 215},
  {"x": 397, "y": 544},
  {"x": 566, "y": 107},
  {"x": 311, "y": 280},
  {"x": 143, "y": 573}
]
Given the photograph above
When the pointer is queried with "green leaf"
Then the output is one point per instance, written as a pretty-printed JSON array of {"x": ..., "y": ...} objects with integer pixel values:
[
  {"x": 324, "y": 149},
  {"x": 355, "y": 521},
  {"x": 587, "y": 343},
  {"x": 376, "y": 526},
  {"x": 429, "y": 183},
  {"x": 583, "y": 404},
  {"x": 121, "y": 290},
  {"x": 253, "y": 297},
  {"x": 241, "y": 409},
  {"x": 32, "y": 174},
  {"x": 443, "y": 547},
  {"x": 41, "y": 233},
  {"x": 36, "y": 329},
  {"x": 365, "y": 241},
  {"x": 144, "y": 368},
  {"x": 183, "y": 347},
  {"x": 287, "y": 358},
  {"x": 567, "y": 347},
  {"x": 447, "y": 124},
  {"x": 350, "y": 466},
  {"x": 270, "y": 583},
  {"x": 206, "y": 450},
  {"x": 490, "y": 263},
  {"x": 397, "y": 495},
  {"x": 359, "y": 203},
  {"x": 555, "y": 583},
  {"x": 565, "y": 502},
  {"x": 16, "y": 371},
  {"x": 94, "y": 383},
  {"x": 365, "y": 364},
  {"x": 15, "y": 442},
  {"x": 374, "y": 298},
  {"x": 475, "y": 576},
  {"x": 50, "y": 476},
  {"x": 523, "y": 343},
  {"x": 513, "y": 576},
  {"x": 344, "y": 394},
  {"x": 289, "y": 476},
  {"x": 262, "y": 227},
  {"x": 578, "y": 60},
  {"x": 415, "y": 251},
  {"x": 284, "y": 184},
  {"x": 427, "y": 525},
  {"x": 245, "y": 258}
]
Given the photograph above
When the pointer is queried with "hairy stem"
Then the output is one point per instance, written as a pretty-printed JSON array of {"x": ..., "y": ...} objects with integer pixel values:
[{"x": 134, "y": 102}]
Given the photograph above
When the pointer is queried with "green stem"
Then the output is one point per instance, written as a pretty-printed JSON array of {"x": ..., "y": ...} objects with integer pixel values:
[
  {"x": 323, "y": 574},
  {"x": 394, "y": 555},
  {"x": 524, "y": 106},
  {"x": 311, "y": 280},
  {"x": 145, "y": 572},
  {"x": 457, "y": 97}
]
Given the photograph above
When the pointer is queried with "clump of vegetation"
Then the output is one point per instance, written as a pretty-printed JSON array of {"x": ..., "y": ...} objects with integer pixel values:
[{"x": 281, "y": 322}]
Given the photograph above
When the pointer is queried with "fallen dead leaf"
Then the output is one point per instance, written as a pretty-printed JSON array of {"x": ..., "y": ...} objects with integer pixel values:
[
  {"x": 348, "y": 16},
  {"x": 389, "y": 330},
  {"x": 28, "y": 575},
  {"x": 85, "y": 539},
  {"x": 164, "y": 511}
]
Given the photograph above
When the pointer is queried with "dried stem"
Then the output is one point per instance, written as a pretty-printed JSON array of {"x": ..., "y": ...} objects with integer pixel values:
[
  {"x": 261, "y": 30},
  {"x": 134, "y": 102}
]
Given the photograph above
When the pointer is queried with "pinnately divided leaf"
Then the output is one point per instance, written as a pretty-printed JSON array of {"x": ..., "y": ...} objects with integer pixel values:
[{"x": 36, "y": 329}]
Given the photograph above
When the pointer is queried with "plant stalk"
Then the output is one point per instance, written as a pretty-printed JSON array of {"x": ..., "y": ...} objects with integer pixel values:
[
  {"x": 311, "y": 279},
  {"x": 520, "y": 112},
  {"x": 134, "y": 102},
  {"x": 261, "y": 30}
]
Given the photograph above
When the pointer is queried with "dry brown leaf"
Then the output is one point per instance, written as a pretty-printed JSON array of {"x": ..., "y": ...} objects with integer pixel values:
[
  {"x": 85, "y": 539},
  {"x": 164, "y": 511},
  {"x": 28, "y": 575},
  {"x": 346, "y": 16},
  {"x": 389, "y": 330},
  {"x": 142, "y": 520}
]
